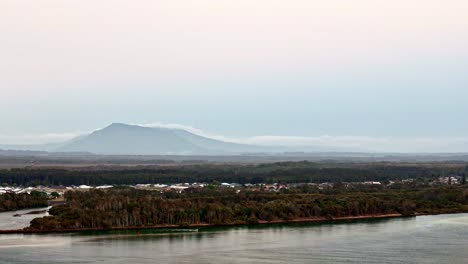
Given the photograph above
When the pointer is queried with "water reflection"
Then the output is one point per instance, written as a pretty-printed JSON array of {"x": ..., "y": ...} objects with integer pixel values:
[{"x": 428, "y": 239}]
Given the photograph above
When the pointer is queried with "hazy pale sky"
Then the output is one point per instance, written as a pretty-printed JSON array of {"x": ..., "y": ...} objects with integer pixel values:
[{"x": 386, "y": 74}]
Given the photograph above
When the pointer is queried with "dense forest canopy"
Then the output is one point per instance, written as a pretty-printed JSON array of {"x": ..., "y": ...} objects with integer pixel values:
[
  {"x": 12, "y": 201},
  {"x": 127, "y": 207},
  {"x": 284, "y": 172}
]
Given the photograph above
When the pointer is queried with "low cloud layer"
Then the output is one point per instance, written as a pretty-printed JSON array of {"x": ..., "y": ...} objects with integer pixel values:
[{"x": 359, "y": 143}]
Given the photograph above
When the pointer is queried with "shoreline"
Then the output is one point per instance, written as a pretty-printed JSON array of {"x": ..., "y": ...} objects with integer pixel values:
[{"x": 202, "y": 225}]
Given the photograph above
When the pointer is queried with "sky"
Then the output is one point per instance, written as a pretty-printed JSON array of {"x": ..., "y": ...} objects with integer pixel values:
[{"x": 377, "y": 74}]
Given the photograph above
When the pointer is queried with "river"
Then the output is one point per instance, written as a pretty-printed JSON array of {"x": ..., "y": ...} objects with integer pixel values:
[
  {"x": 423, "y": 239},
  {"x": 21, "y": 218}
]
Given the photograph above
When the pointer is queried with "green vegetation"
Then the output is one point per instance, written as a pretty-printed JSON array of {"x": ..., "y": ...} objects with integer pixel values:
[
  {"x": 126, "y": 207},
  {"x": 12, "y": 201},
  {"x": 284, "y": 172}
]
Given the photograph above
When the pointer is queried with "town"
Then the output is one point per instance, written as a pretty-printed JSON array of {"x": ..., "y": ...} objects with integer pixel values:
[{"x": 57, "y": 191}]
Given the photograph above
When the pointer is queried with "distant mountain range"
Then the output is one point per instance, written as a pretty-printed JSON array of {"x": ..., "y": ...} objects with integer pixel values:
[
  {"x": 137, "y": 142},
  {"x": 123, "y": 139}
]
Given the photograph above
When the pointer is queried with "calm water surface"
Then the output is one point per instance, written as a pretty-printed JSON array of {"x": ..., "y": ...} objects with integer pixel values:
[
  {"x": 425, "y": 239},
  {"x": 8, "y": 220}
]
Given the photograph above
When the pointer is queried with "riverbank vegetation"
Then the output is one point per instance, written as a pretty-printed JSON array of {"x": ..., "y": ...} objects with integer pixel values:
[
  {"x": 127, "y": 207},
  {"x": 13, "y": 201}
]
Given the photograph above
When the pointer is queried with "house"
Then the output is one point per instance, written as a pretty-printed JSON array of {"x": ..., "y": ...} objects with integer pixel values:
[{"x": 104, "y": 187}]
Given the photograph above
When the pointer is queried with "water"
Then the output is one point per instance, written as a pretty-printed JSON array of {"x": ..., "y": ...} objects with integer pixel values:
[
  {"x": 8, "y": 220},
  {"x": 425, "y": 239}
]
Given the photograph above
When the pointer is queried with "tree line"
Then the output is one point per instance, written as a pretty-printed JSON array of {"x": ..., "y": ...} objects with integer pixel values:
[
  {"x": 284, "y": 172},
  {"x": 13, "y": 201},
  {"x": 128, "y": 207}
]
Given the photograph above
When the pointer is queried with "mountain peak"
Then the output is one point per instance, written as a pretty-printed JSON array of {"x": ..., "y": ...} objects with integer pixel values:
[
  {"x": 125, "y": 139},
  {"x": 123, "y": 126},
  {"x": 118, "y": 125}
]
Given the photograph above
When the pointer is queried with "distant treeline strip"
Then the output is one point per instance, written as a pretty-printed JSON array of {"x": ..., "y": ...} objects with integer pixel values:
[{"x": 285, "y": 172}]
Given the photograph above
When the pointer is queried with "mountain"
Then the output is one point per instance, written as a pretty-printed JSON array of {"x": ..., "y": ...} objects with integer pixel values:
[{"x": 123, "y": 139}]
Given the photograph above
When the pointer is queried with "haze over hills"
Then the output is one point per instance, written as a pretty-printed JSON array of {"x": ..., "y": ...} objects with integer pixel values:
[
  {"x": 123, "y": 139},
  {"x": 138, "y": 144}
]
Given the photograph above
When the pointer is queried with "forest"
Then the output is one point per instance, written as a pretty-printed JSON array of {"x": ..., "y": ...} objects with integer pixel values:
[
  {"x": 12, "y": 201},
  {"x": 282, "y": 172},
  {"x": 128, "y": 207}
]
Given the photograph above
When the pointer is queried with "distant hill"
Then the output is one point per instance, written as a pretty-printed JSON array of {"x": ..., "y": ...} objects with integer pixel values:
[
  {"x": 123, "y": 139},
  {"x": 142, "y": 145}
]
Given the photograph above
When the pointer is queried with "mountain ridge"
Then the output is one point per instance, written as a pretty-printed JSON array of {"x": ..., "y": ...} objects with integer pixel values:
[{"x": 124, "y": 139}]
